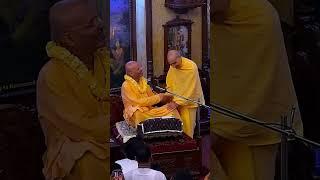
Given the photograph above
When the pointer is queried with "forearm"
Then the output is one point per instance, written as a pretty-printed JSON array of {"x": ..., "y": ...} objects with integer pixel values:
[{"x": 149, "y": 101}]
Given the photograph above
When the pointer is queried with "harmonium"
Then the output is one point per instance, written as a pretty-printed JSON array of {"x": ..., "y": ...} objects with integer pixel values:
[
  {"x": 160, "y": 128},
  {"x": 153, "y": 129}
]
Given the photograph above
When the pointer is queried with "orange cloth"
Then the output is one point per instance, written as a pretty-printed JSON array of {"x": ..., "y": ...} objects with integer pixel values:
[
  {"x": 138, "y": 103},
  {"x": 74, "y": 122}
]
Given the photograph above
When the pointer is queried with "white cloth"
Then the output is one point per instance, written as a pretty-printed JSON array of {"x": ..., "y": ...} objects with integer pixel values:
[
  {"x": 127, "y": 165},
  {"x": 125, "y": 131},
  {"x": 143, "y": 174}
]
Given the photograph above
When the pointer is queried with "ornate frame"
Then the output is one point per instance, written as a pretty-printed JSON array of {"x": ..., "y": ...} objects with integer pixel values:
[
  {"x": 133, "y": 39},
  {"x": 182, "y": 6},
  {"x": 171, "y": 24},
  {"x": 149, "y": 39},
  {"x": 132, "y": 19}
]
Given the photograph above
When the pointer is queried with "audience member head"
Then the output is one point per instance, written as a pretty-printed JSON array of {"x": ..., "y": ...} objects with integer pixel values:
[
  {"x": 130, "y": 147},
  {"x": 143, "y": 154},
  {"x": 116, "y": 172},
  {"x": 134, "y": 70}
]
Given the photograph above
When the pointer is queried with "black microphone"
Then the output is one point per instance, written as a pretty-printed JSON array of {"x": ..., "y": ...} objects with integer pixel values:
[
  {"x": 163, "y": 90},
  {"x": 150, "y": 83},
  {"x": 153, "y": 86}
]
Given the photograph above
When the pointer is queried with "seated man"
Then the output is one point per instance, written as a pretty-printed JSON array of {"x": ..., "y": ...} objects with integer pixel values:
[{"x": 138, "y": 98}]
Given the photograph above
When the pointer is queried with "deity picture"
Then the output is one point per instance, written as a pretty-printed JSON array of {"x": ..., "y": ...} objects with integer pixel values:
[
  {"x": 177, "y": 35},
  {"x": 120, "y": 39},
  {"x": 178, "y": 39}
]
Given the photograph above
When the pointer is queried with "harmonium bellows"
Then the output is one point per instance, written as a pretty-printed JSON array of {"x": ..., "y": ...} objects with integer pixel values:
[{"x": 162, "y": 127}]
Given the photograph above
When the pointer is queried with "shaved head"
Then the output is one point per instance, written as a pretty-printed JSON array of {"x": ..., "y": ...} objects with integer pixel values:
[
  {"x": 174, "y": 58},
  {"x": 134, "y": 70},
  {"x": 76, "y": 26},
  {"x": 174, "y": 53},
  {"x": 64, "y": 15},
  {"x": 130, "y": 66}
]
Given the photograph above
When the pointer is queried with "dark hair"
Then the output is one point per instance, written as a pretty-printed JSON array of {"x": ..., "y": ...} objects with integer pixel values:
[
  {"x": 143, "y": 153},
  {"x": 115, "y": 166},
  {"x": 183, "y": 174},
  {"x": 131, "y": 146}
]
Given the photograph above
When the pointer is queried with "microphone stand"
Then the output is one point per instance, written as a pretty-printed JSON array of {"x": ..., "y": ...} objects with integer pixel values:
[{"x": 285, "y": 130}]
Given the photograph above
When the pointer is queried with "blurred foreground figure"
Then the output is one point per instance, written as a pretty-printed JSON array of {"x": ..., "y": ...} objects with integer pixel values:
[
  {"x": 72, "y": 95},
  {"x": 250, "y": 75}
]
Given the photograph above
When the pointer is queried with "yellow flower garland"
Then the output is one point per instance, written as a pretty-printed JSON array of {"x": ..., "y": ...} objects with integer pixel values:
[
  {"x": 141, "y": 86},
  {"x": 60, "y": 53}
]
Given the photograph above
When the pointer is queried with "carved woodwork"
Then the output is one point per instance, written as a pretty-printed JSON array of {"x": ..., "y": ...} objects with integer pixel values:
[{"x": 183, "y": 6}]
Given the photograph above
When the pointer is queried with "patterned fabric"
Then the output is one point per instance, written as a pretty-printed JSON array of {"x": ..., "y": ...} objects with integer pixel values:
[
  {"x": 125, "y": 131},
  {"x": 184, "y": 143},
  {"x": 160, "y": 127}
]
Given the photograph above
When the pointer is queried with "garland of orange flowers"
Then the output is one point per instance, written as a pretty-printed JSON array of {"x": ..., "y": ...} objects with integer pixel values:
[
  {"x": 73, "y": 62},
  {"x": 141, "y": 85}
]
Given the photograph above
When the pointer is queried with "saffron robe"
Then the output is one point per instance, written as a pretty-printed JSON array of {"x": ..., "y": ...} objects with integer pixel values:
[
  {"x": 185, "y": 81},
  {"x": 139, "y": 106}
]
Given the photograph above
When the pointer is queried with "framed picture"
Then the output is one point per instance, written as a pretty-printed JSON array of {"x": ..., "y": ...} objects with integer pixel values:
[
  {"x": 122, "y": 38},
  {"x": 177, "y": 35}
]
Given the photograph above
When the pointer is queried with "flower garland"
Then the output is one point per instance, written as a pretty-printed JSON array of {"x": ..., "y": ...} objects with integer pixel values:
[
  {"x": 141, "y": 86},
  {"x": 73, "y": 62}
]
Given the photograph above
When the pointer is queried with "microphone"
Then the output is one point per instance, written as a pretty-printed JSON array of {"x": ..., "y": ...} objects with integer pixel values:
[
  {"x": 164, "y": 90},
  {"x": 160, "y": 88},
  {"x": 153, "y": 86},
  {"x": 149, "y": 82}
]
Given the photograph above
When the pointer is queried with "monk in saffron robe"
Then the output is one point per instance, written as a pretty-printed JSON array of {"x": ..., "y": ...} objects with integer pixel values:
[
  {"x": 183, "y": 79},
  {"x": 72, "y": 96},
  {"x": 138, "y": 98},
  {"x": 250, "y": 75}
]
